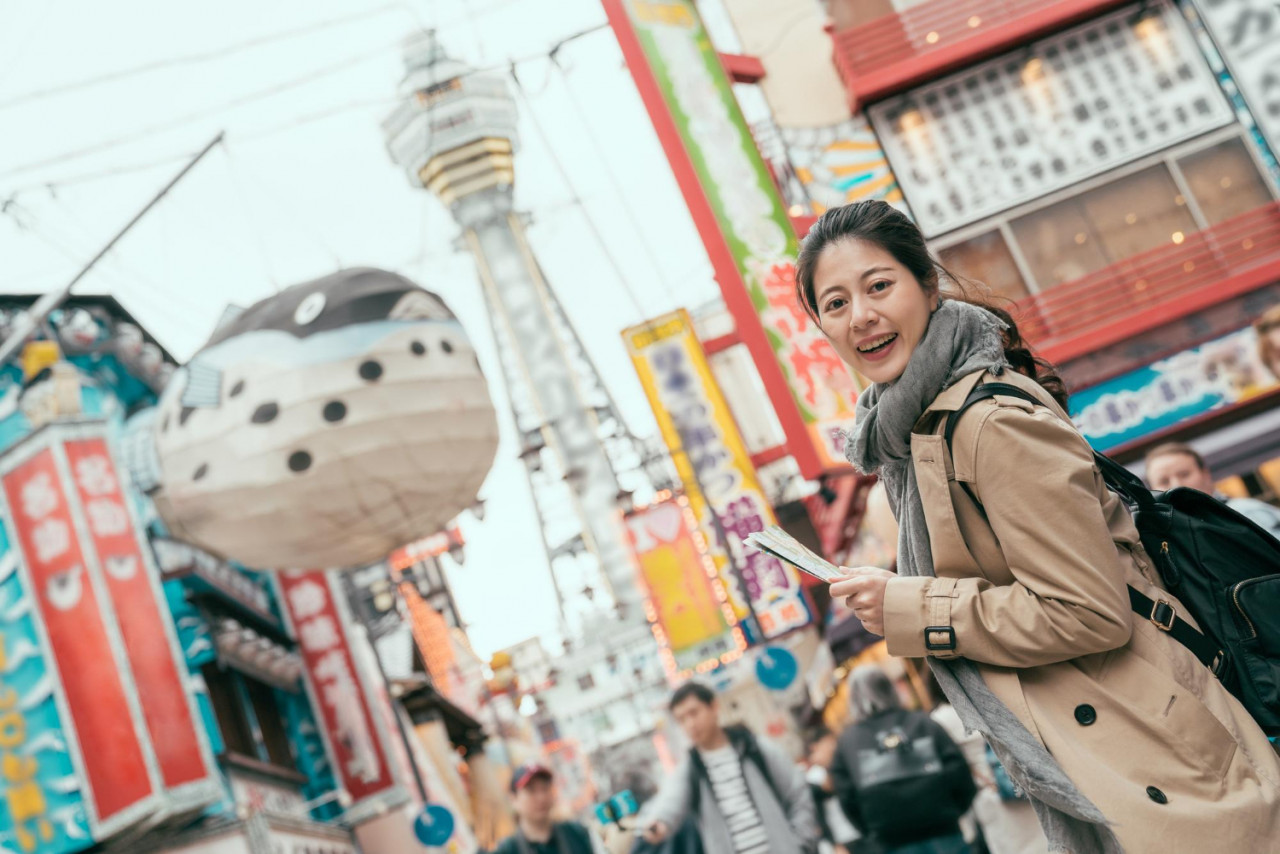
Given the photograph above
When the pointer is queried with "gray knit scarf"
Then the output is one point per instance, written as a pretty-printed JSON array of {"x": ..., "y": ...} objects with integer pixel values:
[{"x": 961, "y": 339}]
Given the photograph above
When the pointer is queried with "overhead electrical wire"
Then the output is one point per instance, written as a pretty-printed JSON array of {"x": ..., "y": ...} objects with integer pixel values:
[
  {"x": 252, "y": 136},
  {"x": 208, "y": 112},
  {"x": 197, "y": 58}
]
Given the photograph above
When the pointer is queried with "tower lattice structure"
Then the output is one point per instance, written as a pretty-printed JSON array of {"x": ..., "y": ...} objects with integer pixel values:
[{"x": 454, "y": 133}]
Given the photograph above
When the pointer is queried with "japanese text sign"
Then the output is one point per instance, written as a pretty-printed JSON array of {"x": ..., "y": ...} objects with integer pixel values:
[
  {"x": 713, "y": 464},
  {"x": 145, "y": 628},
  {"x": 687, "y": 604},
  {"x": 351, "y": 731},
  {"x": 115, "y": 765},
  {"x": 742, "y": 221}
]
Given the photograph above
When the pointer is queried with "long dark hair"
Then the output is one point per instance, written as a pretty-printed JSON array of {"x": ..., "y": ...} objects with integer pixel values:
[{"x": 880, "y": 223}]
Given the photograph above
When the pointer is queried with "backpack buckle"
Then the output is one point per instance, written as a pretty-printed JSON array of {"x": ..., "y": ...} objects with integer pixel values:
[
  {"x": 1163, "y": 615},
  {"x": 1219, "y": 664}
]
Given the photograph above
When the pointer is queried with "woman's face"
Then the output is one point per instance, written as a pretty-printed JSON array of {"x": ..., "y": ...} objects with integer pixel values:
[{"x": 871, "y": 307}]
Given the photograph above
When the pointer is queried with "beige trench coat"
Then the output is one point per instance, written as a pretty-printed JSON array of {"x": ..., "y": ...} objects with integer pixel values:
[{"x": 1033, "y": 584}]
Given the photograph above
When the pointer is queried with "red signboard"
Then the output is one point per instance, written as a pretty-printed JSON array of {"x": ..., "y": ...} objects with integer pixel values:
[
  {"x": 350, "y": 728},
  {"x": 80, "y": 638},
  {"x": 128, "y": 578}
]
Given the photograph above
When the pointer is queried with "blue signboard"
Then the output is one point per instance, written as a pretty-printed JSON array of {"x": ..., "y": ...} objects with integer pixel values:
[
  {"x": 1221, "y": 373},
  {"x": 777, "y": 668},
  {"x": 434, "y": 825}
]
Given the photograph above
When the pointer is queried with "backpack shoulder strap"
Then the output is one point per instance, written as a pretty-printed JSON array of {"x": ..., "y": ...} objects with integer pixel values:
[
  {"x": 749, "y": 747},
  {"x": 697, "y": 772},
  {"x": 1131, "y": 488},
  {"x": 981, "y": 392}
]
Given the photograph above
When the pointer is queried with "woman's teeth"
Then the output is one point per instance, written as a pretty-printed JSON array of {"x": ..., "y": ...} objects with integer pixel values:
[{"x": 872, "y": 346}]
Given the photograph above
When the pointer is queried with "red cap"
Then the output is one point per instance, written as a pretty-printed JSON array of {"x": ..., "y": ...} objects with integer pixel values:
[{"x": 526, "y": 774}]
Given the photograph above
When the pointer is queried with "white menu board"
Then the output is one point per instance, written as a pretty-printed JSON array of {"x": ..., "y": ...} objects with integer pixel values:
[
  {"x": 1048, "y": 115},
  {"x": 1247, "y": 34}
]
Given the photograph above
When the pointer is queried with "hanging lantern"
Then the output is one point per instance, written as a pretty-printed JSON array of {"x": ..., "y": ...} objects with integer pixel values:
[{"x": 325, "y": 426}]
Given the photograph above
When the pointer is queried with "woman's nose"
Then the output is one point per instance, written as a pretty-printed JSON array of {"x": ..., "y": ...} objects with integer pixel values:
[{"x": 861, "y": 315}]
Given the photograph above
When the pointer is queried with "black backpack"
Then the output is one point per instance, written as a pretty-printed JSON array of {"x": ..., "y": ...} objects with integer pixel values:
[
  {"x": 1222, "y": 566},
  {"x": 901, "y": 783}
]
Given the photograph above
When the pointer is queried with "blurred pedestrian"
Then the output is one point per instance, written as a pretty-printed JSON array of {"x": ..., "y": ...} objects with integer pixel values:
[
  {"x": 1016, "y": 563},
  {"x": 1176, "y": 464},
  {"x": 743, "y": 794},
  {"x": 1000, "y": 817},
  {"x": 1267, "y": 327},
  {"x": 535, "y": 797},
  {"x": 899, "y": 777},
  {"x": 836, "y": 834}
]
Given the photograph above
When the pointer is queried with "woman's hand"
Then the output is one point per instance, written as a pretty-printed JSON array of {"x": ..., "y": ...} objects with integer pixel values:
[{"x": 863, "y": 592}]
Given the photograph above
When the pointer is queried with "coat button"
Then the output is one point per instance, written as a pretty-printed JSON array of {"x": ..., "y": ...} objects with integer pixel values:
[
  {"x": 1085, "y": 714},
  {"x": 1156, "y": 795}
]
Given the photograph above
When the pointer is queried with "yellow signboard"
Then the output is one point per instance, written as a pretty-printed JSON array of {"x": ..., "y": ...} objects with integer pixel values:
[{"x": 715, "y": 468}]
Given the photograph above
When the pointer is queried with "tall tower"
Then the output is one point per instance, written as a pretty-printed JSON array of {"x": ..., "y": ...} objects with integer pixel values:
[{"x": 454, "y": 133}]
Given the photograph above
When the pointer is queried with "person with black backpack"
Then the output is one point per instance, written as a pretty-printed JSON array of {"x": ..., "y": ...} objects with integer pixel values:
[
  {"x": 900, "y": 778},
  {"x": 1123, "y": 665},
  {"x": 741, "y": 792}
]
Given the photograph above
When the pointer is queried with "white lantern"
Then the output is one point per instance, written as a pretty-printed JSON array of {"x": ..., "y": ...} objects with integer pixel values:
[{"x": 325, "y": 426}]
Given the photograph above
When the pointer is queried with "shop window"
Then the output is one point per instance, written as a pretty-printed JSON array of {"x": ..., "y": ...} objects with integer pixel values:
[
  {"x": 233, "y": 723},
  {"x": 1078, "y": 236},
  {"x": 986, "y": 259},
  {"x": 1224, "y": 180},
  {"x": 270, "y": 718},
  {"x": 249, "y": 716}
]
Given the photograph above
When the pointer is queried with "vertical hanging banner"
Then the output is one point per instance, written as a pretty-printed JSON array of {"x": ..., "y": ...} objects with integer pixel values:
[
  {"x": 353, "y": 734},
  {"x": 687, "y": 606},
  {"x": 90, "y": 682},
  {"x": 716, "y": 470},
  {"x": 132, "y": 586},
  {"x": 742, "y": 221}
]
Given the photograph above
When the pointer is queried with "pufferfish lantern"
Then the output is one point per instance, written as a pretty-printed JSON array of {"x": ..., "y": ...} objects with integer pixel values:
[{"x": 325, "y": 426}]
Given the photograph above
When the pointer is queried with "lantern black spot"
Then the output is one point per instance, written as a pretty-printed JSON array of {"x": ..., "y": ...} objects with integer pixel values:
[
  {"x": 201, "y": 472},
  {"x": 185, "y": 414},
  {"x": 335, "y": 410},
  {"x": 236, "y": 389},
  {"x": 265, "y": 414},
  {"x": 446, "y": 346},
  {"x": 299, "y": 461},
  {"x": 417, "y": 348},
  {"x": 370, "y": 371}
]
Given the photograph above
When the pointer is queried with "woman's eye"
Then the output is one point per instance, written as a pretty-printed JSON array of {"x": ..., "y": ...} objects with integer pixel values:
[
  {"x": 876, "y": 287},
  {"x": 834, "y": 305}
]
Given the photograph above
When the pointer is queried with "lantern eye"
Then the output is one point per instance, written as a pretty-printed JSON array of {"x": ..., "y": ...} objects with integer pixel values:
[
  {"x": 265, "y": 414},
  {"x": 417, "y": 348},
  {"x": 299, "y": 461},
  {"x": 334, "y": 410},
  {"x": 370, "y": 370},
  {"x": 309, "y": 309}
]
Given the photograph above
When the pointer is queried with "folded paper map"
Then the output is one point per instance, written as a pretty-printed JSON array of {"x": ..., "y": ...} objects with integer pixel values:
[{"x": 777, "y": 542}]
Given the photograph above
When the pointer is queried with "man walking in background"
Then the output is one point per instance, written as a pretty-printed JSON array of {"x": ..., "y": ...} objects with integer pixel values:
[
  {"x": 533, "y": 792},
  {"x": 743, "y": 793},
  {"x": 1176, "y": 464}
]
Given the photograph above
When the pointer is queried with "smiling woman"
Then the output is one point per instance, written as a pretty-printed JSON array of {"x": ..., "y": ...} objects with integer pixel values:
[{"x": 866, "y": 276}]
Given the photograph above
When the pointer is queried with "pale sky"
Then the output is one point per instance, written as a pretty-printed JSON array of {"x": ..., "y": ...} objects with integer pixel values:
[{"x": 305, "y": 186}]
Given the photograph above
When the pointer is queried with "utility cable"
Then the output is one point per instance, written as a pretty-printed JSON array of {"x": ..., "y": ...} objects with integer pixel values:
[
  {"x": 194, "y": 58},
  {"x": 623, "y": 199},
  {"x": 208, "y": 112}
]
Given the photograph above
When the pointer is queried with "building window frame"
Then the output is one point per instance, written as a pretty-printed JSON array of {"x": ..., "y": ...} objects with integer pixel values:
[{"x": 1168, "y": 157}]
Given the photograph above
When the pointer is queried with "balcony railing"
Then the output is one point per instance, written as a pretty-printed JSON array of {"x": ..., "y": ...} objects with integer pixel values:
[
  {"x": 897, "y": 51},
  {"x": 1155, "y": 287}
]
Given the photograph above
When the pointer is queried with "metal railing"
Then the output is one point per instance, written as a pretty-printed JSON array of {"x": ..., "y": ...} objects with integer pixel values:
[
  {"x": 876, "y": 58},
  {"x": 1232, "y": 257}
]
